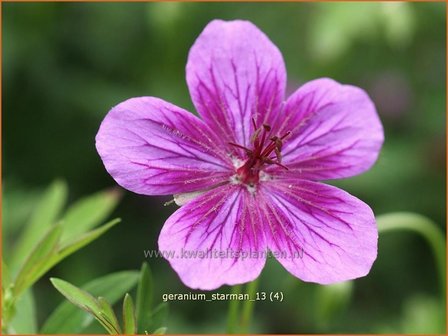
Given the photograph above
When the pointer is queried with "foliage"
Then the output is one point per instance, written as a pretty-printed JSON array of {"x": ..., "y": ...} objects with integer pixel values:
[
  {"x": 62, "y": 320},
  {"x": 48, "y": 238},
  {"x": 68, "y": 319}
]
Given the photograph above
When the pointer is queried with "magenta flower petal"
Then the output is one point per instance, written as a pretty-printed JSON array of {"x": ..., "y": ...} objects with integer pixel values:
[
  {"x": 336, "y": 131},
  {"x": 152, "y": 147},
  {"x": 215, "y": 239},
  {"x": 245, "y": 173},
  {"x": 235, "y": 73},
  {"x": 325, "y": 234}
]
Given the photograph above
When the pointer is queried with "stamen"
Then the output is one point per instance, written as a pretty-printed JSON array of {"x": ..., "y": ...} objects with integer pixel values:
[
  {"x": 278, "y": 154},
  {"x": 253, "y": 123},
  {"x": 285, "y": 135},
  {"x": 259, "y": 155},
  {"x": 263, "y": 138},
  {"x": 271, "y": 161},
  {"x": 249, "y": 151},
  {"x": 255, "y": 135}
]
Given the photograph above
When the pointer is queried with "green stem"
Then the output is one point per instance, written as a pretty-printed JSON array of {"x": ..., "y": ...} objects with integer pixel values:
[
  {"x": 248, "y": 307},
  {"x": 232, "y": 318},
  {"x": 425, "y": 227}
]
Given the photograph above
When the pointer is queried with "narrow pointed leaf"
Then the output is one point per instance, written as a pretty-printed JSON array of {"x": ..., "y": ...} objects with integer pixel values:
[
  {"x": 109, "y": 313},
  {"x": 103, "y": 320},
  {"x": 35, "y": 263},
  {"x": 56, "y": 256},
  {"x": 68, "y": 319},
  {"x": 158, "y": 317},
  {"x": 85, "y": 301},
  {"x": 75, "y": 245},
  {"x": 129, "y": 323},
  {"x": 144, "y": 298},
  {"x": 87, "y": 213},
  {"x": 6, "y": 276},
  {"x": 44, "y": 215},
  {"x": 77, "y": 296},
  {"x": 25, "y": 319},
  {"x": 87, "y": 238}
]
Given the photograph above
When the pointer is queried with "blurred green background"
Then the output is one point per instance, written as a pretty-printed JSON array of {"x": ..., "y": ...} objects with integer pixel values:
[{"x": 66, "y": 64}]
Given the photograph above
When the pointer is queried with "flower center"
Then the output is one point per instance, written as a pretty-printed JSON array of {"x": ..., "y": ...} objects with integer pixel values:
[{"x": 266, "y": 149}]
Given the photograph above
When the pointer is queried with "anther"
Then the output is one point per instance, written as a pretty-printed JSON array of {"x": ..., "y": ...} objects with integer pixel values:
[{"x": 260, "y": 153}]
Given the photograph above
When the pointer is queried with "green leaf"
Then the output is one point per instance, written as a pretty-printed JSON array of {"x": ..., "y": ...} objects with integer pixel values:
[
  {"x": 84, "y": 240},
  {"x": 158, "y": 317},
  {"x": 24, "y": 320},
  {"x": 6, "y": 277},
  {"x": 33, "y": 266},
  {"x": 87, "y": 213},
  {"x": 144, "y": 298},
  {"x": 129, "y": 323},
  {"x": 109, "y": 313},
  {"x": 85, "y": 301},
  {"x": 38, "y": 269},
  {"x": 77, "y": 296},
  {"x": 44, "y": 215},
  {"x": 160, "y": 331},
  {"x": 67, "y": 319}
]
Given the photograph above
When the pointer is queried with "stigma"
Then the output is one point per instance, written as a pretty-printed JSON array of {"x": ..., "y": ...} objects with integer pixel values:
[{"x": 265, "y": 150}]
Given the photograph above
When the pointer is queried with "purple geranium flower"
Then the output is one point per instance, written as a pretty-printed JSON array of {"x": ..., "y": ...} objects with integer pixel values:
[{"x": 247, "y": 169}]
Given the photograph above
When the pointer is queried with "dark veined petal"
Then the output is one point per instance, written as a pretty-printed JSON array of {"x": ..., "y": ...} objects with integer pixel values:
[
  {"x": 335, "y": 131},
  {"x": 235, "y": 73},
  {"x": 215, "y": 239},
  {"x": 152, "y": 147},
  {"x": 319, "y": 233}
]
